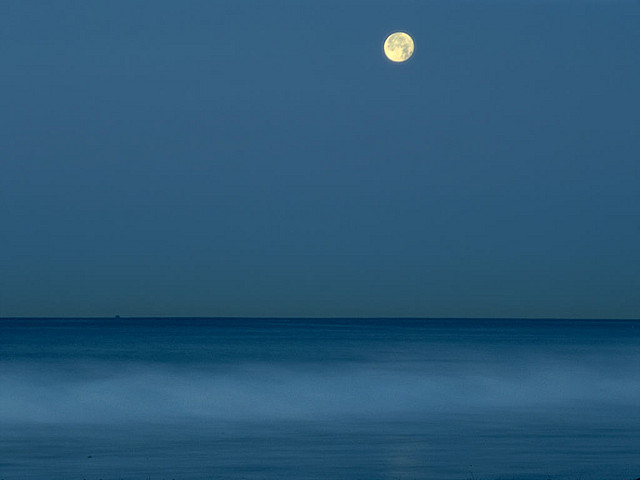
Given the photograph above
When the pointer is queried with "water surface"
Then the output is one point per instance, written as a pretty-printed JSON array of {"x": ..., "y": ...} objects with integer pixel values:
[{"x": 319, "y": 399}]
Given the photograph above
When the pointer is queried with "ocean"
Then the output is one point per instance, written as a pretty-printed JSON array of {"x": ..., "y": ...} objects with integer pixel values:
[{"x": 319, "y": 399}]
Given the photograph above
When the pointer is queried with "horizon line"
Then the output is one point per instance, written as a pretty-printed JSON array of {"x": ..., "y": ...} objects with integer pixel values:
[{"x": 291, "y": 317}]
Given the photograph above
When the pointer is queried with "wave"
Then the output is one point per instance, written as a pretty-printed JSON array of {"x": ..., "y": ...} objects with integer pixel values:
[{"x": 103, "y": 392}]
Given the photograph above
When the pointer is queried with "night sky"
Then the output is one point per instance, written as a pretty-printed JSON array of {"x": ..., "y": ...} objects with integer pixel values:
[{"x": 263, "y": 158}]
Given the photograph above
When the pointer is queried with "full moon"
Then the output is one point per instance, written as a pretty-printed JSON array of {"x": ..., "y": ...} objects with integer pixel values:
[{"x": 398, "y": 47}]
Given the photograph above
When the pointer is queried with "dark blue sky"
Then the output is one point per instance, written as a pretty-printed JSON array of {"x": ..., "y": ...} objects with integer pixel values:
[{"x": 263, "y": 158}]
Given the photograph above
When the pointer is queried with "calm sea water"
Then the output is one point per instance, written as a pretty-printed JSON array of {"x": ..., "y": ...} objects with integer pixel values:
[{"x": 319, "y": 399}]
